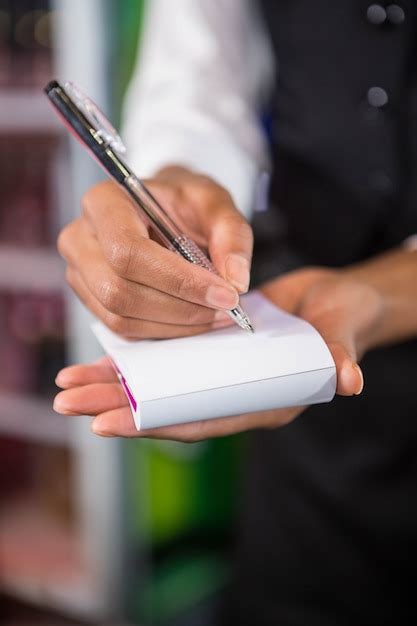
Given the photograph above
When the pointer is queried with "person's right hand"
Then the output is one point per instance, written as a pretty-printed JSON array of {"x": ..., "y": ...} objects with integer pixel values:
[{"x": 138, "y": 288}]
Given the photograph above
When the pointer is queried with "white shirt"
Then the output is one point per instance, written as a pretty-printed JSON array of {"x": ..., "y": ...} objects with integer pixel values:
[{"x": 203, "y": 71}]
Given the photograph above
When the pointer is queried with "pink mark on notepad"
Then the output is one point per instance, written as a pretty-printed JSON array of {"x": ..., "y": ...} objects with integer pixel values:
[{"x": 125, "y": 386}]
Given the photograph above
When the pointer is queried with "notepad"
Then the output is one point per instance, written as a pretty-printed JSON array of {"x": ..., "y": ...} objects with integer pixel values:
[{"x": 224, "y": 372}]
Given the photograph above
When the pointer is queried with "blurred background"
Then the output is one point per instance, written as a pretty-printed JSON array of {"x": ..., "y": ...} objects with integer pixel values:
[{"x": 91, "y": 531}]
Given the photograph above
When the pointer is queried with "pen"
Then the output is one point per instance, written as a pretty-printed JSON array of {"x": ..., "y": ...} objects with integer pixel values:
[{"x": 84, "y": 118}]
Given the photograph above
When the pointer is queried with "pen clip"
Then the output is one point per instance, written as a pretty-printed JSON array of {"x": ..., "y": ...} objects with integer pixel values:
[{"x": 102, "y": 126}]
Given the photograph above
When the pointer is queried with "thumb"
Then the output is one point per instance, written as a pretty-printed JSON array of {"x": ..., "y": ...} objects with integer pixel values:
[
  {"x": 341, "y": 344},
  {"x": 350, "y": 380},
  {"x": 230, "y": 244}
]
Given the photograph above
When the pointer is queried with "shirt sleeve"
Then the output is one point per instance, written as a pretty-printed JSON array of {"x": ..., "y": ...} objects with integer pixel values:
[{"x": 203, "y": 72}]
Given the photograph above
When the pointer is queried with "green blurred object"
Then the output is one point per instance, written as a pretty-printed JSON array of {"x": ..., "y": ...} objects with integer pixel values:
[
  {"x": 189, "y": 488},
  {"x": 182, "y": 502},
  {"x": 128, "y": 17},
  {"x": 176, "y": 583}
]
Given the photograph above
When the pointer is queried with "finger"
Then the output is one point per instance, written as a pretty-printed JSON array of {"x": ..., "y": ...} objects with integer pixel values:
[
  {"x": 133, "y": 328},
  {"x": 230, "y": 243},
  {"x": 119, "y": 423},
  {"x": 127, "y": 298},
  {"x": 107, "y": 206},
  {"x": 91, "y": 399},
  {"x": 334, "y": 325},
  {"x": 350, "y": 381},
  {"x": 101, "y": 371},
  {"x": 133, "y": 256},
  {"x": 213, "y": 218},
  {"x": 336, "y": 331}
]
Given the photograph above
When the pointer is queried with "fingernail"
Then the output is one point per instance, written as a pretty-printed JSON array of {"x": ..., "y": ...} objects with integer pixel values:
[
  {"x": 59, "y": 407},
  {"x": 60, "y": 379},
  {"x": 222, "y": 297},
  {"x": 362, "y": 382},
  {"x": 237, "y": 272}
]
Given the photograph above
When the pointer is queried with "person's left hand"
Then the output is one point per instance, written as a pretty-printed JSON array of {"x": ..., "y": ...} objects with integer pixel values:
[{"x": 344, "y": 310}]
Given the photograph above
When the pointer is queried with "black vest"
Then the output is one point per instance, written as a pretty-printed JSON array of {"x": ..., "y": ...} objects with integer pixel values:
[
  {"x": 344, "y": 126},
  {"x": 329, "y": 531}
]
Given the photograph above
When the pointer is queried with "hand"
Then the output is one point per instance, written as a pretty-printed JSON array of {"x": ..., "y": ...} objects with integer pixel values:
[
  {"x": 345, "y": 311},
  {"x": 140, "y": 289}
]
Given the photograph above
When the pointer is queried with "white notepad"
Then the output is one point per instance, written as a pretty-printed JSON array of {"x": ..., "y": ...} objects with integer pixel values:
[{"x": 225, "y": 372}]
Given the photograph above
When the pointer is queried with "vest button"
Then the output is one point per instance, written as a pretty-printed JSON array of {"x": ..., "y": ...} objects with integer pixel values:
[
  {"x": 395, "y": 14},
  {"x": 376, "y": 14},
  {"x": 377, "y": 97}
]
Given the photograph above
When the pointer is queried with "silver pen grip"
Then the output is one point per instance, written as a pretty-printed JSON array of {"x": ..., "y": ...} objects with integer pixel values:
[{"x": 192, "y": 253}]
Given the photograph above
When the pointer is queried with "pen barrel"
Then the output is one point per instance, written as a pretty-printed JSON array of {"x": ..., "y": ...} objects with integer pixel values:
[
  {"x": 192, "y": 253},
  {"x": 164, "y": 226},
  {"x": 153, "y": 213}
]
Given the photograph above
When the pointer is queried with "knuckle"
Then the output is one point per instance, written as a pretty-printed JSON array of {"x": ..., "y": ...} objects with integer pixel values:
[
  {"x": 71, "y": 240},
  {"x": 120, "y": 256},
  {"x": 203, "y": 180},
  {"x": 206, "y": 186},
  {"x": 89, "y": 202},
  {"x": 111, "y": 295},
  {"x": 64, "y": 238},
  {"x": 94, "y": 198},
  {"x": 187, "y": 286},
  {"x": 225, "y": 197},
  {"x": 203, "y": 190},
  {"x": 116, "y": 323},
  {"x": 171, "y": 191}
]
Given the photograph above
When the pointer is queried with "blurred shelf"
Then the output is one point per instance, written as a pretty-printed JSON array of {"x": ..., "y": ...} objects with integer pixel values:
[
  {"x": 30, "y": 270},
  {"x": 32, "y": 418},
  {"x": 89, "y": 577},
  {"x": 26, "y": 110},
  {"x": 41, "y": 559}
]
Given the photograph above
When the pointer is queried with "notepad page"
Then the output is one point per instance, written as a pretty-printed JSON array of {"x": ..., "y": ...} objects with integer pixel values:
[{"x": 281, "y": 346}]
